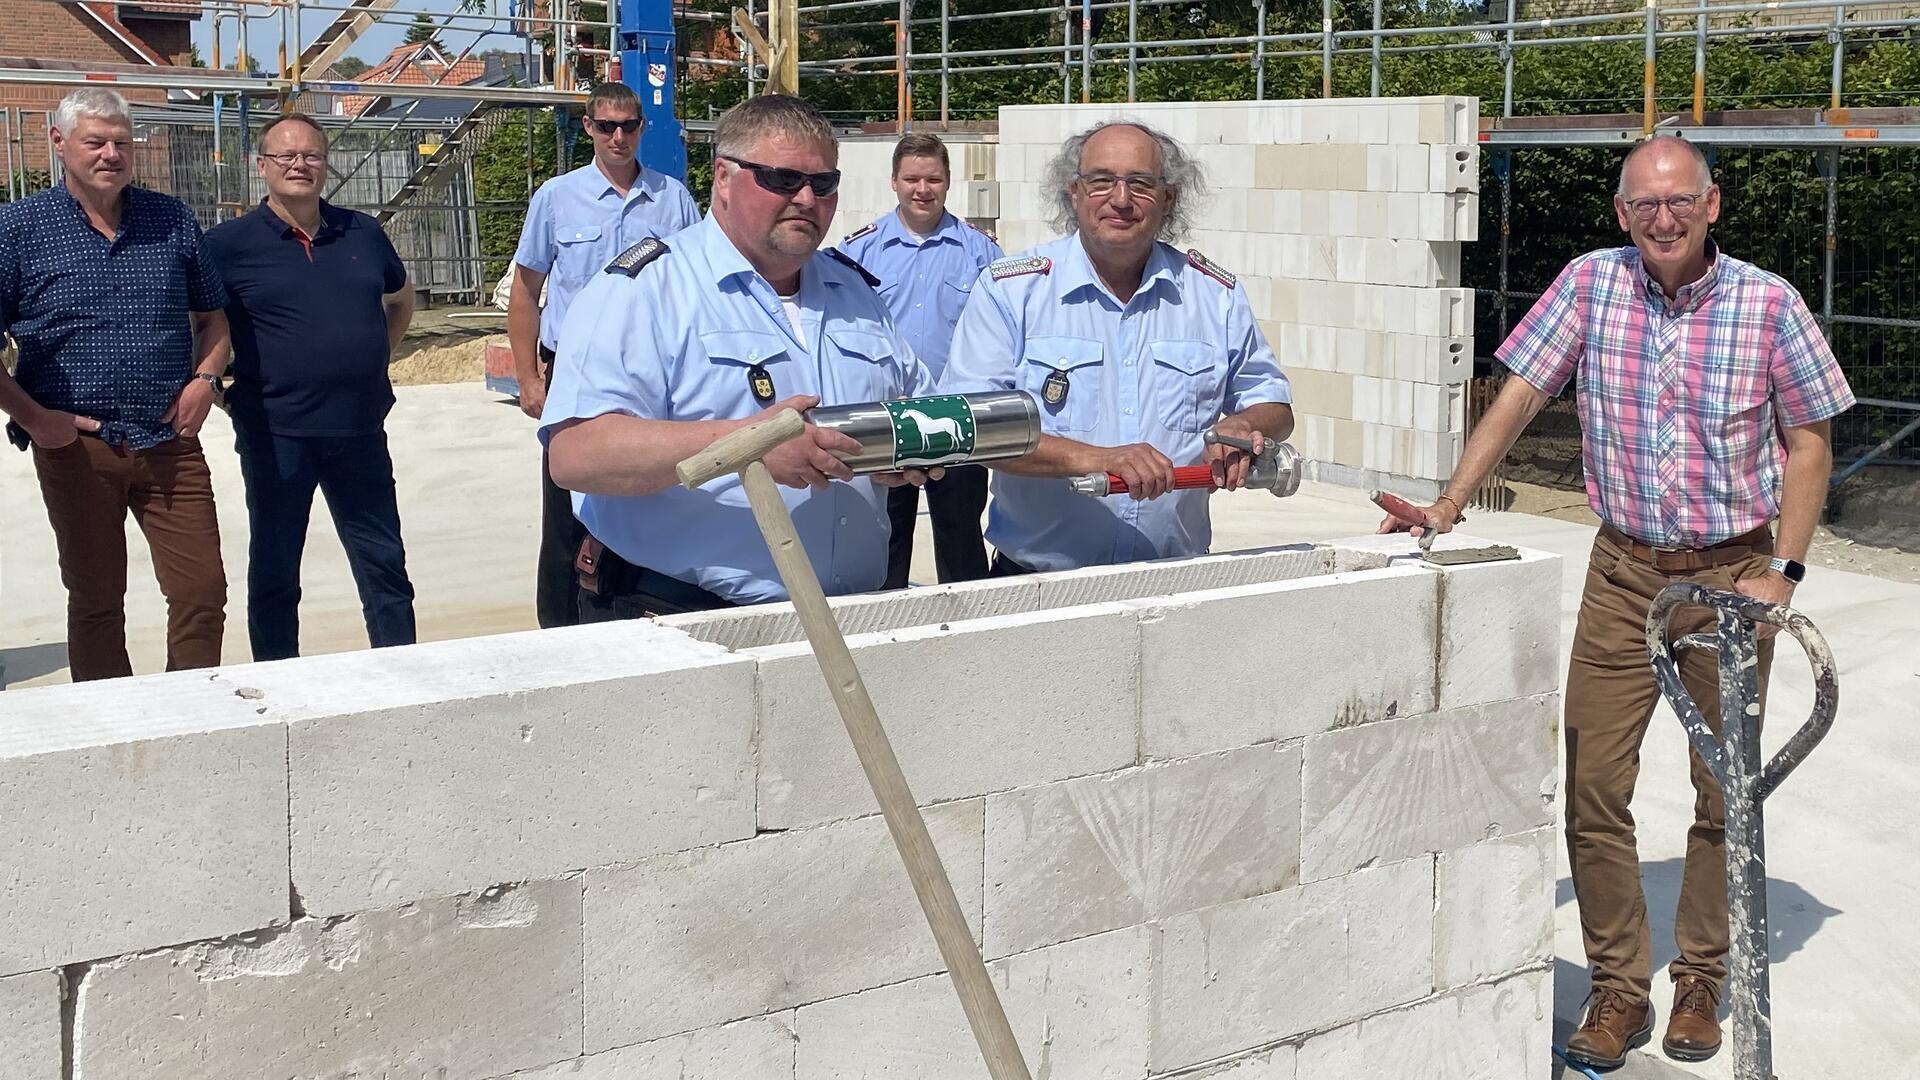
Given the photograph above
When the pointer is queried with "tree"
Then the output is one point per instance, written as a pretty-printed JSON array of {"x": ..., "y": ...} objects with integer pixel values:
[
  {"x": 424, "y": 30},
  {"x": 348, "y": 67}
]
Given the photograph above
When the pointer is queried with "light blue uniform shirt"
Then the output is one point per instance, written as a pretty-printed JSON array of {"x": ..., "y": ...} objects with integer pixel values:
[
  {"x": 1159, "y": 369},
  {"x": 676, "y": 342},
  {"x": 925, "y": 283},
  {"x": 578, "y": 222}
]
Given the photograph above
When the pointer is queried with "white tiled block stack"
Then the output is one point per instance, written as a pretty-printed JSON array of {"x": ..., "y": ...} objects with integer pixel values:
[
  {"x": 866, "y": 169},
  {"x": 641, "y": 850},
  {"x": 1343, "y": 220}
]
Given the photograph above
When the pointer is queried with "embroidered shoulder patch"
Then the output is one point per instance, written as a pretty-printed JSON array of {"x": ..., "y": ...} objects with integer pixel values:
[
  {"x": 1210, "y": 268},
  {"x": 858, "y": 233},
  {"x": 631, "y": 260},
  {"x": 1023, "y": 264},
  {"x": 847, "y": 260}
]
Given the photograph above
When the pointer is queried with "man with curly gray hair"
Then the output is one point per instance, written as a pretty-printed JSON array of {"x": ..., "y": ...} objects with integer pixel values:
[{"x": 1133, "y": 349}]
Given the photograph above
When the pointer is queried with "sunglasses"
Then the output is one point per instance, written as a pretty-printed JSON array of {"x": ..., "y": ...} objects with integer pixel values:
[
  {"x": 788, "y": 182},
  {"x": 608, "y": 127}
]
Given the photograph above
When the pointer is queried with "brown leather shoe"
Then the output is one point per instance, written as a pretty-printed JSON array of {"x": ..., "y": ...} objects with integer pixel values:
[
  {"x": 1693, "y": 1028},
  {"x": 1615, "y": 1024}
]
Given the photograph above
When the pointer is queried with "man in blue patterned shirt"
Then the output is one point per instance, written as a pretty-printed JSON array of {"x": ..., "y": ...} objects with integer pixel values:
[{"x": 116, "y": 309}]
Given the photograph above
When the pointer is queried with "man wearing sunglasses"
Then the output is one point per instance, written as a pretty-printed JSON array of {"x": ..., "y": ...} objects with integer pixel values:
[
  {"x": 680, "y": 342},
  {"x": 576, "y": 223},
  {"x": 1132, "y": 349},
  {"x": 1706, "y": 396},
  {"x": 927, "y": 261}
]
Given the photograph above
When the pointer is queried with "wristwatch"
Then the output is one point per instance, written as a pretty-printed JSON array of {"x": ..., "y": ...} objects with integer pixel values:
[
  {"x": 1791, "y": 569},
  {"x": 210, "y": 379}
]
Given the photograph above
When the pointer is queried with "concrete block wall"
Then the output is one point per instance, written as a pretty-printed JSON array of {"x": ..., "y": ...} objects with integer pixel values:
[
  {"x": 1343, "y": 219},
  {"x": 645, "y": 849},
  {"x": 866, "y": 168}
]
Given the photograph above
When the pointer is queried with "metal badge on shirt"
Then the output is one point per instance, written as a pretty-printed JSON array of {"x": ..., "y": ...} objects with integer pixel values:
[
  {"x": 1054, "y": 390},
  {"x": 761, "y": 383}
]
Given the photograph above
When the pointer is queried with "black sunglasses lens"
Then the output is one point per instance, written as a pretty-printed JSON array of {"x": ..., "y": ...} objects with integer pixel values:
[
  {"x": 781, "y": 181},
  {"x": 608, "y": 127},
  {"x": 825, "y": 184}
]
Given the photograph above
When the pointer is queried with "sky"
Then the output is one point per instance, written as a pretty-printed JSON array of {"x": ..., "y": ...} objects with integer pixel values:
[{"x": 264, "y": 33}]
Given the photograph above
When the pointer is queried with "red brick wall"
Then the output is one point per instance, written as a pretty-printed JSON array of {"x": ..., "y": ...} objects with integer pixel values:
[{"x": 60, "y": 32}]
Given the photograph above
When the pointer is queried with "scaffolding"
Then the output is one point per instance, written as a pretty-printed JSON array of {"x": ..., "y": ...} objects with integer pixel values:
[{"x": 780, "y": 44}]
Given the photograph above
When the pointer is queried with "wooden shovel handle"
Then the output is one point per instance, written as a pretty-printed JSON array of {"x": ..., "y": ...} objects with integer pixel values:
[{"x": 730, "y": 453}]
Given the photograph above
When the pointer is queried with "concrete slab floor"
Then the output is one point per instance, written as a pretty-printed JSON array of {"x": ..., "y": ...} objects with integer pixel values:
[{"x": 1844, "y": 886}]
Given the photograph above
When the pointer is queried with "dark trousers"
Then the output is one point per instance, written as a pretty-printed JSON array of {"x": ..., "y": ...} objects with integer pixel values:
[
  {"x": 955, "y": 503},
  {"x": 89, "y": 488},
  {"x": 625, "y": 591},
  {"x": 1005, "y": 567},
  {"x": 556, "y": 588},
  {"x": 356, "y": 475}
]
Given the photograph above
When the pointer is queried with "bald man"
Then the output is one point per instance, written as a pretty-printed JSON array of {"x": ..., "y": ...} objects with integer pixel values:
[{"x": 1706, "y": 395}]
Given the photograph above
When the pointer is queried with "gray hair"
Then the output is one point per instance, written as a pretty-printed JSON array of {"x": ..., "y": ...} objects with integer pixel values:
[
  {"x": 1663, "y": 142},
  {"x": 1182, "y": 175},
  {"x": 95, "y": 101},
  {"x": 742, "y": 127}
]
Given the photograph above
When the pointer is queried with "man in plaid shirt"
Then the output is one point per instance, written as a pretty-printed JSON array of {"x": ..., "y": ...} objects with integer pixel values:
[{"x": 1706, "y": 395}]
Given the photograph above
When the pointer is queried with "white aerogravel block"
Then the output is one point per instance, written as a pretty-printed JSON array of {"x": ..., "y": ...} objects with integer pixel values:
[
  {"x": 1190, "y": 704},
  {"x": 1383, "y": 164},
  {"x": 1016, "y": 711},
  {"x": 1412, "y": 169},
  {"x": 1493, "y": 908},
  {"x": 651, "y": 750},
  {"x": 1400, "y": 788},
  {"x": 1497, "y": 1031},
  {"x": 469, "y": 986},
  {"x": 1453, "y": 168},
  {"x": 762, "y": 1048},
  {"x": 1275, "y": 1064},
  {"x": 1104, "y": 852},
  {"x": 161, "y": 835},
  {"x": 1078, "y": 1010},
  {"x": 1254, "y": 972},
  {"x": 698, "y": 938},
  {"x": 1499, "y": 630},
  {"x": 30, "y": 1033}
]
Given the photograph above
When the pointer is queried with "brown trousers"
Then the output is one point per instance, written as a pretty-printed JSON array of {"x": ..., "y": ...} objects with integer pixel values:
[
  {"x": 89, "y": 487},
  {"x": 1610, "y": 697}
]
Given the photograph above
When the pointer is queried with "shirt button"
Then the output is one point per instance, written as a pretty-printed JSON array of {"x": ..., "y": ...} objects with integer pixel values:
[
  {"x": 843, "y": 521},
  {"x": 1129, "y": 412}
]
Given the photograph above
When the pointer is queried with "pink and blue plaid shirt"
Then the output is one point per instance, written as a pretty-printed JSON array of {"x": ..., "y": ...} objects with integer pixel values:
[{"x": 1680, "y": 402}]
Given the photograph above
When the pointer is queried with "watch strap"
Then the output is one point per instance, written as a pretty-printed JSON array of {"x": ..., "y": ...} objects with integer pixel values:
[{"x": 1791, "y": 569}]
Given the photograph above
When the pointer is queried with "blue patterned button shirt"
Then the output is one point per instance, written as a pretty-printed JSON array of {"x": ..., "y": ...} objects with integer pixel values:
[
  {"x": 924, "y": 282},
  {"x": 104, "y": 327}
]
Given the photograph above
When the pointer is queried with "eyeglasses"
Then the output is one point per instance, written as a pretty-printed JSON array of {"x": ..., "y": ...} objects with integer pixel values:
[
  {"x": 286, "y": 161},
  {"x": 608, "y": 127},
  {"x": 1682, "y": 206},
  {"x": 788, "y": 182},
  {"x": 1100, "y": 185}
]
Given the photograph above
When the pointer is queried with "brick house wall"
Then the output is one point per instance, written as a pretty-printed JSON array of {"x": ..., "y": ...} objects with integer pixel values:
[{"x": 61, "y": 32}]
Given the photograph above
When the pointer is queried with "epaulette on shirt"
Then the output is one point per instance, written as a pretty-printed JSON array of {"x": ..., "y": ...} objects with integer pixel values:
[
  {"x": 847, "y": 260},
  {"x": 981, "y": 231},
  {"x": 1210, "y": 268},
  {"x": 1021, "y": 264},
  {"x": 858, "y": 233},
  {"x": 631, "y": 260}
]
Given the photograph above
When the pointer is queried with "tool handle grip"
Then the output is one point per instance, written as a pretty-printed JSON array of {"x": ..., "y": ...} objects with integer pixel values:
[
  {"x": 1185, "y": 478},
  {"x": 731, "y": 452}
]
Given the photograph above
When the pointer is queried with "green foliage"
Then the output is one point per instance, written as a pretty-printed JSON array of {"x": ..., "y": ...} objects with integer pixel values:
[
  {"x": 348, "y": 67},
  {"x": 424, "y": 29},
  {"x": 505, "y": 171}
]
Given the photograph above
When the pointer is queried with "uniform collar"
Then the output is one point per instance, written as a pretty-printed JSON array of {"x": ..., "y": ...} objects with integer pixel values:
[
  {"x": 1075, "y": 270},
  {"x": 1690, "y": 296},
  {"x": 893, "y": 230},
  {"x": 647, "y": 184}
]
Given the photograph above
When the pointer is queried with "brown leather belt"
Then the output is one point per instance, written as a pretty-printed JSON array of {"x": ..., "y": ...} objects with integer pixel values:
[{"x": 1687, "y": 560}]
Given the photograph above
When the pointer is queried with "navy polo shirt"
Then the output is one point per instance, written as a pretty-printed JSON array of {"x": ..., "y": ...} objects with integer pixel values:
[
  {"x": 309, "y": 331},
  {"x": 104, "y": 326}
]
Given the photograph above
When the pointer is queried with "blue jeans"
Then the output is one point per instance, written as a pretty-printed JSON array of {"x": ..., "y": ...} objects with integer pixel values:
[{"x": 356, "y": 475}]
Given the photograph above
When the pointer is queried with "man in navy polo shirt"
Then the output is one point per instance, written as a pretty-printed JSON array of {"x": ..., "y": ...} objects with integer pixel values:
[
  {"x": 115, "y": 304},
  {"x": 319, "y": 301},
  {"x": 576, "y": 224}
]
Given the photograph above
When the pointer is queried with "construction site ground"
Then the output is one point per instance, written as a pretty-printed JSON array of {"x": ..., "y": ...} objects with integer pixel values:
[{"x": 1840, "y": 831}]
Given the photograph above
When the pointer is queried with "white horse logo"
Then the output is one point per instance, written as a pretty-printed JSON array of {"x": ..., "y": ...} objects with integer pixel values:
[{"x": 929, "y": 426}]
